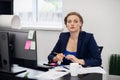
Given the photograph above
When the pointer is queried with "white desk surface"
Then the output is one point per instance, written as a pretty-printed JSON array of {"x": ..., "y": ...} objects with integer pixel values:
[
  {"x": 56, "y": 72},
  {"x": 31, "y": 73}
]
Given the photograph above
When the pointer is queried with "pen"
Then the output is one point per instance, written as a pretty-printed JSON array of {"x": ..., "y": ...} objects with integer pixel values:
[
  {"x": 65, "y": 67},
  {"x": 20, "y": 72},
  {"x": 51, "y": 64},
  {"x": 61, "y": 70}
]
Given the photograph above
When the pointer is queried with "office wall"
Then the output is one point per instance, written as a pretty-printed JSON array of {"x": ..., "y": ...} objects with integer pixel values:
[{"x": 101, "y": 17}]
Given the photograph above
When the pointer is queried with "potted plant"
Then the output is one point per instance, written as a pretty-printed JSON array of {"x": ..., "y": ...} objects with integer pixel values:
[{"x": 114, "y": 67}]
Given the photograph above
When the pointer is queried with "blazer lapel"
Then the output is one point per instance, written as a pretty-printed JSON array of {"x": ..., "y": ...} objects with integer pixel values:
[
  {"x": 65, "y": 41},
  {"x": 80, "y": 41}
]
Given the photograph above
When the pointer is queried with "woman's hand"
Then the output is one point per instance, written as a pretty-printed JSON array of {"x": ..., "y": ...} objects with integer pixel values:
[
  {"x": 75, "y": 59},
  {"x": 58, "y": 57},
  {"x": 72, "y": 58}
]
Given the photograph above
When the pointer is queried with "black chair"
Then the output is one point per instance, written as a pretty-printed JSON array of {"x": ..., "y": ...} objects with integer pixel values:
[{"x": 100, "y": 48}]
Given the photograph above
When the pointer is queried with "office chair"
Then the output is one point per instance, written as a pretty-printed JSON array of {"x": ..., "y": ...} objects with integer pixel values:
[{"x": 100, "y": 48}]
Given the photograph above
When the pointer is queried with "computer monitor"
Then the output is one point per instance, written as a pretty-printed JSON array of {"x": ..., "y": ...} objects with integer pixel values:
[
  {"x": 5, "y": 64},
  {"x": 17, "y": 42}
]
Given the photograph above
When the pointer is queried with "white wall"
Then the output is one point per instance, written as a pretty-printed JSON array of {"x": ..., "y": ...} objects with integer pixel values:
[
  {"x": 46, "y": 40},
  {"x": 101, "y": 17}
]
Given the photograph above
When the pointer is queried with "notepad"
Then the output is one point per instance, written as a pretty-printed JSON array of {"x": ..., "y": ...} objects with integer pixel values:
[
  {"x": 30, "y": 34},
  {"x": 32, "y": 47},
  {"x": 27, "y": 45}
]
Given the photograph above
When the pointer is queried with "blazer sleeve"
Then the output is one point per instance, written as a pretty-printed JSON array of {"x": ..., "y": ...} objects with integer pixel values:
[
  {"x": 94, "y": 58},
  {"x": 56, "y": 49}
]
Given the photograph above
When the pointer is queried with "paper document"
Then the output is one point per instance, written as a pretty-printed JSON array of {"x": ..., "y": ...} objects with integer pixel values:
[
  {"x": 32, "y": 47},
  {"x": 31, "y": 34},
  {"x": 60, "y": 71},
  {"x": 31, "y": 72},
  {"x": 92, "y": 70},
  {"x": 53, "y": 74}
]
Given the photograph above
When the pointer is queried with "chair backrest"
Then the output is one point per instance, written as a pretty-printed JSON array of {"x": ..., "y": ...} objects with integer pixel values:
[{"x": 100, "y": 48}]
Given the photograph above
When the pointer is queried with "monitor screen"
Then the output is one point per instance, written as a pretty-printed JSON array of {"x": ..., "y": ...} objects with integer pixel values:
[{"x": 19, "y": 54}]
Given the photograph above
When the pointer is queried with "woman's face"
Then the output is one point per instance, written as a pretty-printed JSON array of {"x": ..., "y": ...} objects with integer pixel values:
[{"x": 73, "y": 23}]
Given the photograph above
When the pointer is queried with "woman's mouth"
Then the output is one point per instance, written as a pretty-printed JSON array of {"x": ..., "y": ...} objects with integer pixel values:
[{"x": 71, "y": 27}]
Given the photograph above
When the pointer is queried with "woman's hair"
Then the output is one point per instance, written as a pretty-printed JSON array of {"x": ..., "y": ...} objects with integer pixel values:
[{"x": 73, "y": 13}]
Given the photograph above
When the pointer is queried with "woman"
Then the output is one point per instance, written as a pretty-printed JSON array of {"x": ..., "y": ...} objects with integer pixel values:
[{"x": 76, "y": 45}]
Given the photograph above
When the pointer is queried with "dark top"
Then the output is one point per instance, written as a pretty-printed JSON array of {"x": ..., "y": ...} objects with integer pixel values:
[{"x": 87, "y": 48}]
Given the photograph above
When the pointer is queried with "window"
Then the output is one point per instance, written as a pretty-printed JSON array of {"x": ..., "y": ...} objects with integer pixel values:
[{"x": 45, "y": 14}]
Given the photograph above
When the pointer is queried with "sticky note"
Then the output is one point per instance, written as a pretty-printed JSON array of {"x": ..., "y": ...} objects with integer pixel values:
[
  {"x": 27, "y": 44},
  {"x": 31, "y": 34},
  {"x": 32, "y": 47}
]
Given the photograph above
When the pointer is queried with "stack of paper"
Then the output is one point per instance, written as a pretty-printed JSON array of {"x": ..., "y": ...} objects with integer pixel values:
[
  {"x": 60, "y": 71},
  {"x": 91, "y": 70}
]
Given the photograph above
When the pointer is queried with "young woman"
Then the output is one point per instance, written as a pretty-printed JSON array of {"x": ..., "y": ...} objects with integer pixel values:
[{"x": 76, "y": 45}]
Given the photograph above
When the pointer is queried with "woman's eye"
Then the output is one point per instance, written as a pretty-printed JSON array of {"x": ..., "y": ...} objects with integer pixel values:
[
  {"x": 75, "y": 21},
  {"x": 69, "y": 21}
]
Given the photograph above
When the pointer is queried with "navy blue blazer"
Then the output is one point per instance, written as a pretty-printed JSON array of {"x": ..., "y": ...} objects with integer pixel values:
[{"x": 87, "y": 48}]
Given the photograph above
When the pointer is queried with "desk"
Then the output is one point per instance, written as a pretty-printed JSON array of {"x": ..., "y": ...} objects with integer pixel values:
[
  {"x": 91, "y": 76},
  {"x": 4, "y": 76}
]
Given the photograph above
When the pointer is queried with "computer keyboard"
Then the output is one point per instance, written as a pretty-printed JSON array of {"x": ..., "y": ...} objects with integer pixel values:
[{"x": 44, "y": 67}]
